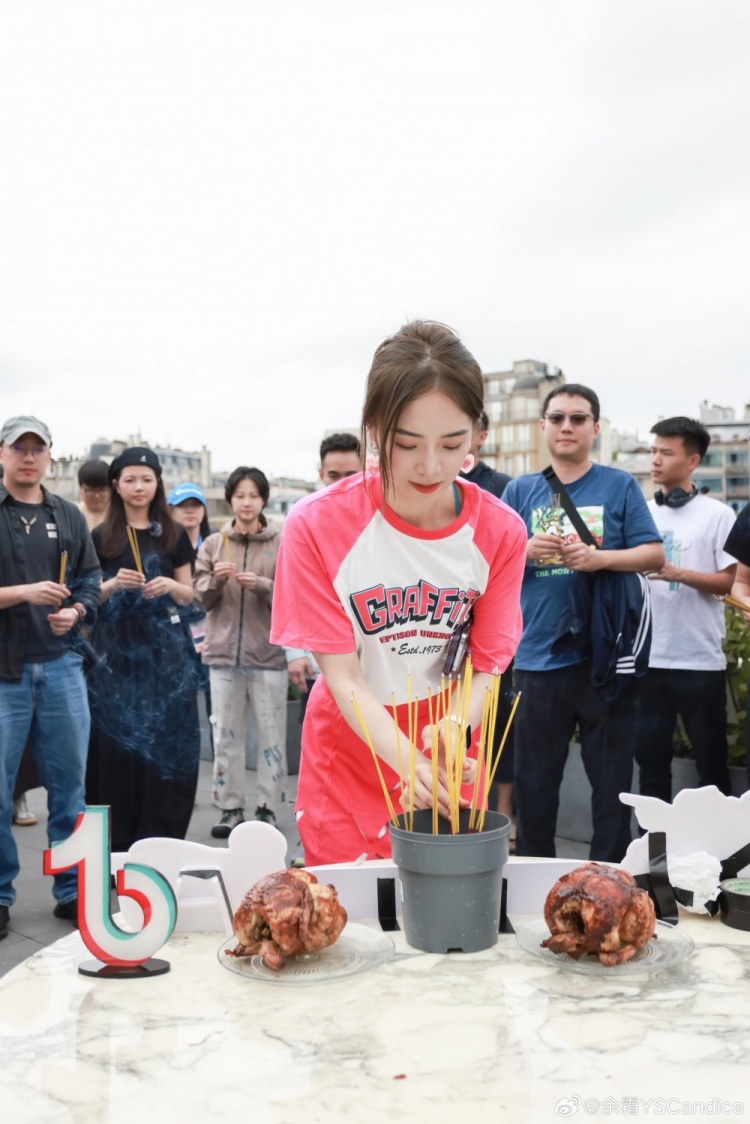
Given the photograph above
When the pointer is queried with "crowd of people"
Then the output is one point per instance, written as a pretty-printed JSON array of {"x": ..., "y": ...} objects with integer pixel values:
[{"x": 600, "y": 609}]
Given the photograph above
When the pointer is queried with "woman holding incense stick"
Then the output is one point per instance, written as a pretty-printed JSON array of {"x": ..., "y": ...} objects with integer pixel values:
[
  {"x": 234, "y": 581},
  {"x": 145, "y": 743},
  {"x": 377, "y": 575}
]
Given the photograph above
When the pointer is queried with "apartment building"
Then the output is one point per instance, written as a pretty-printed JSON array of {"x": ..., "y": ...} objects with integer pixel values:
[
  {"x": 724, "y": 469},
  {"x": 513, "y": 401}
]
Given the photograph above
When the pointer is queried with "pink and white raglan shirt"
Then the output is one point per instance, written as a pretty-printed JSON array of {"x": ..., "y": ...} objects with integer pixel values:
[{"x": 352, "y": 576}]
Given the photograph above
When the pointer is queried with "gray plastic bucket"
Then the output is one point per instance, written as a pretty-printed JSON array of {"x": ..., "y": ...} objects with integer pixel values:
[{"x": 451, "y": 885}]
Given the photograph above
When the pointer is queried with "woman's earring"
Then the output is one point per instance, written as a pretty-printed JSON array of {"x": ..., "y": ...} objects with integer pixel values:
[{"x": 468, "y": 463}]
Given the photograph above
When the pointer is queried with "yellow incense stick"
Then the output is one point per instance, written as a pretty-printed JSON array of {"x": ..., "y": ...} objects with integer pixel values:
[
  {"x": 413, "y": 762},
  {"x": 433, "y": 756},
  {"x": 63, "y": 568},
  {"x": 494, "y": 701},
  {"x": 133, "y": 537},
  {"x": 368, "y": 739},
  {"x": 480, "y": 757},
  {"x": 733, "y": 602},
  {"x": 499, "y": 754},
  {"x": 225, "y": 537},
  {"x": 398, "y": 751}
]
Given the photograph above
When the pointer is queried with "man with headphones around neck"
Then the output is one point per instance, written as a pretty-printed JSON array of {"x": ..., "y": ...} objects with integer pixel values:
[{"x": 686, "y": 676}]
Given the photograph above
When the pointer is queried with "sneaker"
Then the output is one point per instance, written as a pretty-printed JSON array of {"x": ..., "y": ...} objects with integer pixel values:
[
  {"x": 67, "y": 911},
  {"x": 264, "y": 814},
  {"x": 227, "y": 823},
  {"x": 4, "y": 921},
  {"x": 21, "y": 814}
]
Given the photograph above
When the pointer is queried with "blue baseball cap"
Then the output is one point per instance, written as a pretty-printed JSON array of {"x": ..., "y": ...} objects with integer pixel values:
[{"x": 187, "y": 491}]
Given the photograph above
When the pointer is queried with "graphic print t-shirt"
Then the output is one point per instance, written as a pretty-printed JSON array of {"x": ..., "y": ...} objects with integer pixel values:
[
  {"x": 688, "y": 626},
  {"x": 352, "y": 576},
  {"x": 615, "y": 511}
]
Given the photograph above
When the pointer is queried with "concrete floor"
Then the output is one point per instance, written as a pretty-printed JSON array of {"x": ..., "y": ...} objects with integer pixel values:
[{"x": 32, "y": 925}]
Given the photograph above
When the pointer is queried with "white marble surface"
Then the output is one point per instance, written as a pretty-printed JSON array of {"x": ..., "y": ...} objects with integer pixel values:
[{"x": 493, "y": 1036}]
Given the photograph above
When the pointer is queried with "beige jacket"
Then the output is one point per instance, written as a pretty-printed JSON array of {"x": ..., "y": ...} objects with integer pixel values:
[{"x": 238, "y": 621}]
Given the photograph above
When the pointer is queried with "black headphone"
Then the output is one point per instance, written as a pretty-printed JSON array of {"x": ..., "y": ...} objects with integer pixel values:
[{"x": 677, "y": 497}]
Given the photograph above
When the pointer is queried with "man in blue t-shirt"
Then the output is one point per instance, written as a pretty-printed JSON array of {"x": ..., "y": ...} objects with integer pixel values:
[{"x": 556, "y": 687}]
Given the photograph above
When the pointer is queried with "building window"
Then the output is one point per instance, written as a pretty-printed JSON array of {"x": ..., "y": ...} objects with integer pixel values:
[
  {"x": 523, "y": 437},
  {"x": 714, "y": 484}
]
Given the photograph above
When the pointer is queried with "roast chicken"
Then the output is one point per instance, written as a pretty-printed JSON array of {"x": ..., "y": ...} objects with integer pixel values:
[
  {"x": 287, "y": 914},
  {"x": 600, "y": 911}
]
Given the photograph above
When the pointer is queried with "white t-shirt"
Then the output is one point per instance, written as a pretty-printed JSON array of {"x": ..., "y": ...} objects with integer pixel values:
[{"x": 688, "y": 626}]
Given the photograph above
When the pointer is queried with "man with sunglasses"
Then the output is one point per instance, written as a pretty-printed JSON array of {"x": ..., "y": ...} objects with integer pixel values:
[
  {"x": 557, "y": 693},
  {"x": 50, "y": 582}
]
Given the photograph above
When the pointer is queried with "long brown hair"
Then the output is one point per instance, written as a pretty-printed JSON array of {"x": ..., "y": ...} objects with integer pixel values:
[
  {"x": 422, "y": 356},
  {"x": 114, "y": 536}
]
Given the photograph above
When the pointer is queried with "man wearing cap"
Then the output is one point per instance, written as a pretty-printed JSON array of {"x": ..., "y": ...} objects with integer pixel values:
[{"x": 50, "y": 583}]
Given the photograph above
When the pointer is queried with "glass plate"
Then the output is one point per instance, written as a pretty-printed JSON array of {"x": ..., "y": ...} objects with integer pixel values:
[
  {"x": 670, "y": 946},
  {"x": 358, "y": 949}
]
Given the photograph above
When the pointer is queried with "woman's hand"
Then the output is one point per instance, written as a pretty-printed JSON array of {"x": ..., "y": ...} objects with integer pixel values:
[
  {"x": 223, "y": 571},
  {"x": 247, "y": 580},
  {"x": 469, "y": 765},
  {"x": 423, "y": 788},
  {"x": 159, "y": 587},
  {"x": 128, "y": 579}
]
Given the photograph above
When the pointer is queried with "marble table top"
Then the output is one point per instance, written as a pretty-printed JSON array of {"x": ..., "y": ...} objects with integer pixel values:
[{"x": 423, "y": 1038}]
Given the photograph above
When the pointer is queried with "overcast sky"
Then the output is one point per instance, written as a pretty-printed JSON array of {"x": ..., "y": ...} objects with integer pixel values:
[{"x": 212, "y": 211}]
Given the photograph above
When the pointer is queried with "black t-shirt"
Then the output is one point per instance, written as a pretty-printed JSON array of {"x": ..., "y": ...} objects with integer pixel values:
[
  {"x": 154, "y": 558},
  {"x": 42, "y": 549}
]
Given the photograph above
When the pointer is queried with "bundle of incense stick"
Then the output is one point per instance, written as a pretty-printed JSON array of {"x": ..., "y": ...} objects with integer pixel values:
[
  {"x": 63, "y": 568},
  {"x": 133, "y": 539},
  {"x": 448, "y": 716},
  {"x": 225, "y": 537},
  {"x": 733, "y": 602}
]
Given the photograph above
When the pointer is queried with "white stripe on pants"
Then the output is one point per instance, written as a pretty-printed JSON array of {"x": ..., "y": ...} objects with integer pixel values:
[{"x": 233, "y": 691}]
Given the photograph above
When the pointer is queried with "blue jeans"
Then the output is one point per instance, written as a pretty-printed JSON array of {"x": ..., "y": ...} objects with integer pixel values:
[{"x": 48, "y": 707}]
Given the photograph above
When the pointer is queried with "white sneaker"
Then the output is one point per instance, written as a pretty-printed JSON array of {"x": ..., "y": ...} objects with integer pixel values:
[{"x": 21, "y": 814}]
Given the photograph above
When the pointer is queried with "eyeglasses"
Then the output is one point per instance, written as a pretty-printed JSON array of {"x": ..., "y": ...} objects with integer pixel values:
[
  {"x": 101, "y": 488},
  {"x": 574, "y": 419},
  {"x": 29, "y": 450}
]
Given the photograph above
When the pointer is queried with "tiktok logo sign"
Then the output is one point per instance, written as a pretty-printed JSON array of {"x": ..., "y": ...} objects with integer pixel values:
[{"x": 122, "y": 953}]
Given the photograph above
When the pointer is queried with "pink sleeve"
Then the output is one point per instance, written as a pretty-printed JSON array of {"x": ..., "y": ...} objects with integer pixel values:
[
  {"x": 501, "y": 536},
  {"x": 307, "y": 612}
]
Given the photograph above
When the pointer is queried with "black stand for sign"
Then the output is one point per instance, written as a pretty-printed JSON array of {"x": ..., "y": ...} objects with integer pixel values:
[{"x": 148, "y": 968}]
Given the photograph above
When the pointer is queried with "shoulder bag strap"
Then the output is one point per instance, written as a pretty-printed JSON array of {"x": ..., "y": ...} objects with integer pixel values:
[{"x": 571, "y": 510}]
